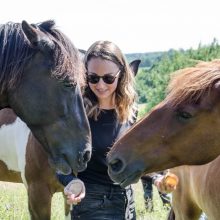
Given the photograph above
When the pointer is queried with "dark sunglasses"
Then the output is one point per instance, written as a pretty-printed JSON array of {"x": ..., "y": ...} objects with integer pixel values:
[{"x": 107, "y": 78}]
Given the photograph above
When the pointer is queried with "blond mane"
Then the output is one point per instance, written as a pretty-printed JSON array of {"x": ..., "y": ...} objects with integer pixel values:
[{"x": 189, "y": 85}]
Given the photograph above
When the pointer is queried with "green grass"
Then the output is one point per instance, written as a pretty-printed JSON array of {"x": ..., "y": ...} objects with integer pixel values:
[
  {"x": 13, "y": 204},
  {"x": 159, "y": 212}
]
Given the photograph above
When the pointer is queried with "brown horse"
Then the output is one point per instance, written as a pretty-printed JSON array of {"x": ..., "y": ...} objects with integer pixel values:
[
  {"x": 23, "y": 159},
  {"x": 40, "y": 77},
  {"x": 182, "y": 129},
  {"x": 198, "y": 191}
]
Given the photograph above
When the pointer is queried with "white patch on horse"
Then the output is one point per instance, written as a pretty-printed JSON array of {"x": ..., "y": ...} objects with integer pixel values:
[{"x": 13, "y": 142}]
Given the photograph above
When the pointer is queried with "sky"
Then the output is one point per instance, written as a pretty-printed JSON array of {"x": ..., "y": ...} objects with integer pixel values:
[{"x": 136, "y": 26}]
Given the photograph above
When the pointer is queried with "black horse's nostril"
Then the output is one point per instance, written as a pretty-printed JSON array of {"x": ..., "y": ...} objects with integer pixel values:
[
  {"x": 86, "y": 156},
  {"x": 83, "y": 158},
  {"x": 116, "y": 165}
]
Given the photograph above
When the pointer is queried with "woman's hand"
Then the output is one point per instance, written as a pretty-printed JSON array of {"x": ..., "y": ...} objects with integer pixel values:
[
  {"x": 71, "y": 199},
  {"x": 166, "y": 183},
  {"x": 75, "y": 191}
]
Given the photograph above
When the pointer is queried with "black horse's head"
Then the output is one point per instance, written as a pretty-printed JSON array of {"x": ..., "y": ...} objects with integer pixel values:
[{"x": 40, "y": 77}]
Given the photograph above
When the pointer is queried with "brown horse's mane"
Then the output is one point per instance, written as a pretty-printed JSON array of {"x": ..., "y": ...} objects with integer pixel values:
[
  {"x": 15, "y": 52},
  {"x": 190, "y": 84}
]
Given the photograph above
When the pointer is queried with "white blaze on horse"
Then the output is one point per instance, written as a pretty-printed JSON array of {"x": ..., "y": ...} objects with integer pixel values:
[{"x": 23, "y": 160}]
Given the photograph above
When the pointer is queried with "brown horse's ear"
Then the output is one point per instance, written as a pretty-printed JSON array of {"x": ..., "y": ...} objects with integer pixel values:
[
  {"x": 37, "y": 38},
  {"x": 134, "y": 65}
]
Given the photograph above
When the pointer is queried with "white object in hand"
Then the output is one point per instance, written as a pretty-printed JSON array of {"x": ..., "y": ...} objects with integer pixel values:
[{"x": 75, "y": 187}]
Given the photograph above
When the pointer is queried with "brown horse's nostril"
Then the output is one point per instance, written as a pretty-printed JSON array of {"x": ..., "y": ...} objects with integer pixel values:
[
  {"x": 86, "y": 156},
  {"x": 116, "y": 165}
]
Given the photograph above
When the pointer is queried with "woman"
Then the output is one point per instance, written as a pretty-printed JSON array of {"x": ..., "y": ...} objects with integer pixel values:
[{"x": 110, "y": 105}]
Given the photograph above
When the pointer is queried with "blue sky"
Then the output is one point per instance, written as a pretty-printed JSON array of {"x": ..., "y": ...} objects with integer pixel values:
[{"x": 134, "y": 25}]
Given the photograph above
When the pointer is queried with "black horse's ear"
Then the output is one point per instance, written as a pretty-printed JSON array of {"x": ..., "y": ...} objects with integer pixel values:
[
  {"x": 37, "y": 38},
  {"x": 134, "y": 66},
  {"x": 82, "y": 53}
]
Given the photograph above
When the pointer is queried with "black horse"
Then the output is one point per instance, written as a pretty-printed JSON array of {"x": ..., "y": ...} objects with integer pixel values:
[{"x": 40, "y": 78}]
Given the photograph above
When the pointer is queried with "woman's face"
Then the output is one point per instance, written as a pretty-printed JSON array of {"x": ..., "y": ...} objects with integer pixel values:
[{"x": 104, "y": 91}]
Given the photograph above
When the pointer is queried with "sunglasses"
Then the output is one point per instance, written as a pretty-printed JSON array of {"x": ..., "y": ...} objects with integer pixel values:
[{"x": 107, "y": 78}]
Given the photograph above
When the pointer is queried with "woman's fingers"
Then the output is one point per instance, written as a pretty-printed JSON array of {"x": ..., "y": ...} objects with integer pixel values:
[{"x": 71, "y": 199}]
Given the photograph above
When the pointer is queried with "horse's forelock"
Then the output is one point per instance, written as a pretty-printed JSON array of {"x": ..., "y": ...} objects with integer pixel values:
[
  {"x": 71, "y": 62},
  {"x": 189, "y": 85},
  {"x": 69, "y": 65}
]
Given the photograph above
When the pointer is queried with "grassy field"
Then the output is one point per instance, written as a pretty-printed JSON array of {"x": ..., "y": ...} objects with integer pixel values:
[{"x": 13, "y": 204}]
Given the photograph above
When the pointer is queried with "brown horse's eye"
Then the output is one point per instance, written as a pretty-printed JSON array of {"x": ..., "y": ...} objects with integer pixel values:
[{"x": 182, "y": 115}]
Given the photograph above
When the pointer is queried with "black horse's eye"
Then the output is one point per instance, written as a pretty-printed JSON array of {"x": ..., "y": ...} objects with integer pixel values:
[{"x": 67, "y": 83}]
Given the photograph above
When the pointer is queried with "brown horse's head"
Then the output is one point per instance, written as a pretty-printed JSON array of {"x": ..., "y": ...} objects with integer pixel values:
[
  {"x": 183, "y": 129},
  {"x": 40, "y": 78}
]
